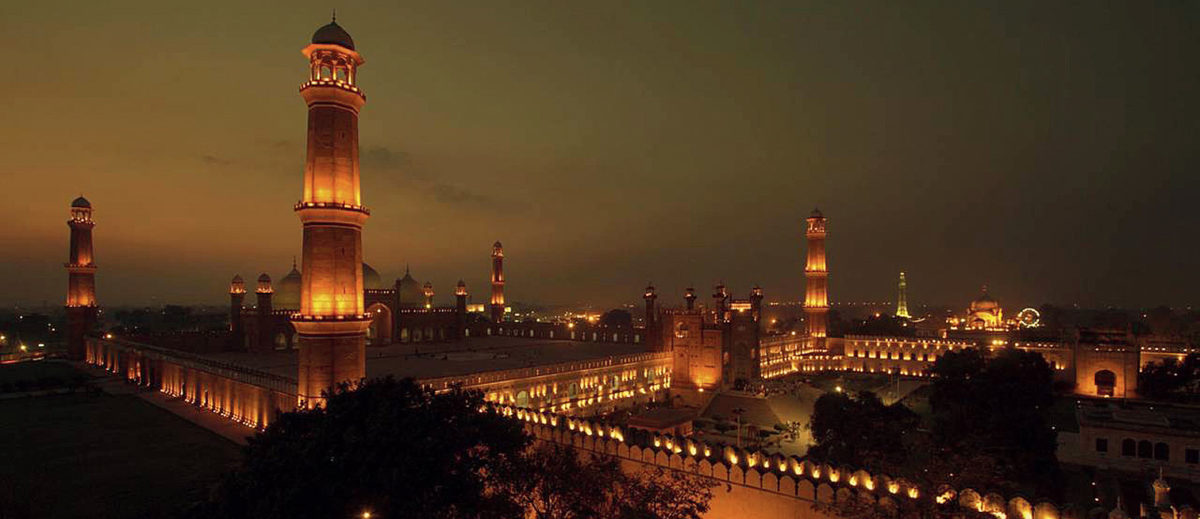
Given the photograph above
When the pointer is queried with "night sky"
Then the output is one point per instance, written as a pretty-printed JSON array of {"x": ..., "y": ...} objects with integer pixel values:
[{"x": 1046, "y": 149}]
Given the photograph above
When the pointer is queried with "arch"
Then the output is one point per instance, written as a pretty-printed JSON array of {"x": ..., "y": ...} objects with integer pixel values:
[
  {"x": 1162, "y": 451},
  {"x": 380, "y": 331},
  {"x": 523, "y": 399},
  {"x": 1106, "y": 382},
  {"x": 1128, "y": 447},
  {"x": 281, "y": 341},
  {"x": 1145, "y": 449}
]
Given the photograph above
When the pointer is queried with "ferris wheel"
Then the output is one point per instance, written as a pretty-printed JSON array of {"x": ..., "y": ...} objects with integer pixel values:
[{"x": 1029, "y": 318}]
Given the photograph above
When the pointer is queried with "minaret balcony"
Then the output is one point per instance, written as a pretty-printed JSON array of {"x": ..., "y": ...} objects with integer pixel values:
[
  {"x": 332, "y": 212},
  {"x": 76, "y": 268}
]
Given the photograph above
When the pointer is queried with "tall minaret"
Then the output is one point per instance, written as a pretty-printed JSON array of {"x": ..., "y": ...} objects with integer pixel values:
[
  {"x": 816, "y": 278},
  {"x": 497, "y": 282},
  {"x": 460, "y": 308},
  {"x": 427, "y": 290},
  {"x": 81, "y": 279},
  {"x": 902, "y": 298},
  {"x": 332, "y": 323},
  {"x": 689, "y": 295}
]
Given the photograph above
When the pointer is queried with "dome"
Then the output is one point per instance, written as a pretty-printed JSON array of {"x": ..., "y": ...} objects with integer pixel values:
[
  {"x": 288, "y": 293},
  {"x": 412, "y": 294},
  {"x": 264, "y": 278},
  {"x": 816, "y": 213},
  {"x": 81, "y": 202},
  {"x": 984, "y": 303},
  {"x": 334, "y": 34},
  {"x": 237, "y": 278},
  {"x": 371, "y": 279}
]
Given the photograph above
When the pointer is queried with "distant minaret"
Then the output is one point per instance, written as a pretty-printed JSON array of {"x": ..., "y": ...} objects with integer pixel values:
[
  {"x": 81, "y": 279},
  {"x": 332, "y": 322},
  {"x": 902, "y": 299},
  {"x": 264, "y": 295},
  {"x": 689, "y": 295},
  {"x": 720, "y": 297},
  {"x": 428, "y": 291},
  {"x": 237, "y": 298},
  {"x": 652, "y": 334},
  {"x": 497, "y": 282},
  {"x": 460, "y": 308},
  {"x": 816, "y": 278}
]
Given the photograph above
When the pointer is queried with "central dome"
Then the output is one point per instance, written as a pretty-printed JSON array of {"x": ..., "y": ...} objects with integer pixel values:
[
  {"x": 333, "y": 34},
  {"x": 984, "y": 303}
]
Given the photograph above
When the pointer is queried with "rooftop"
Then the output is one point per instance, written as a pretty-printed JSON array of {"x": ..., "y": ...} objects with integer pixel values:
[{"x": 433, "y": 360}]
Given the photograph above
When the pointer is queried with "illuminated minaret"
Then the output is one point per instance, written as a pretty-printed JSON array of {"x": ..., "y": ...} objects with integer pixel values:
[
  {"x": 816, "y": 278},
  {"x": 428, "y": 291},
  {"x": 81, "y": 279},
  {"x": 497, "y": 282},
  {"x": 332, "y": 323},
  {"x": 689, "y": 295},
  {"x": 264, "y": 294},
  {"x": 237, "y": 298},
  {"x": 902, "y": 299}
]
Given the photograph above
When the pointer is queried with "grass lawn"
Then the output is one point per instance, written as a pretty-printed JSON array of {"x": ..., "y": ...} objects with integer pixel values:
[
  {"x": 34, "y": 370},
  {"x": 101, "y": 455}
]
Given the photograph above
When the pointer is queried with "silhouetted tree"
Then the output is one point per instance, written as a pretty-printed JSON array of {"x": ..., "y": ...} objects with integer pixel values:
[
  {"x": 861, "y": 431},
  {"x": 991, "y": 420},
  {"x": 1170, "y": 379},
  {"x": 389, "y": 447},
  {"x": 556, "y": 482}
]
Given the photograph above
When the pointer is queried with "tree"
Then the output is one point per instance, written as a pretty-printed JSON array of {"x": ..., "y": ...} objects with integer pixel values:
[
  {"x": 991, "y": 423},
  {"x": 1169, "y": 378},
  {"x": 861, "y": 431},
  {"x": 397, "y": 450},
  {"x": 389, "y": 447},
  {"x": 556, "y": 482}
]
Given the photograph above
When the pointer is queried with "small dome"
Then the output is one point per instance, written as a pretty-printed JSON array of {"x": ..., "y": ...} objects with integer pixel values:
[
  {"x": 237, "y": 278},
  {"x": 371, "y": 279},
  {"x": 81, "y": 202},
  {"x": 288, "y": 294},
  {"x": 412, "y": 294},
  {"x": 264, "y": 278},
  {"x": 333, "y": 34},
  {"x": 816, "y": 213}
]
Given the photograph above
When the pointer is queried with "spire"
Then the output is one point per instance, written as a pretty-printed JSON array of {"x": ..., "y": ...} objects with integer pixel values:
[{"x": 334, "y": 20}]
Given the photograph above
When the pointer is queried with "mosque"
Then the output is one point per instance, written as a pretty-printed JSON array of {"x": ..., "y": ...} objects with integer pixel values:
[{"x": 331, "y": 321}]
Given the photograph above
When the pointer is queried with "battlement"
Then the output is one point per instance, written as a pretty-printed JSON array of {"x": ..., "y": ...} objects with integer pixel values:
[{"x": 791, "y": 476}]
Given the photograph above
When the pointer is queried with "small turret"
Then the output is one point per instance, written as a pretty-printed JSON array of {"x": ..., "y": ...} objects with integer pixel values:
[
  {"x": 237, "y": 286},
  {"x": 428, "y": 291},
  {"x": 689, "y": 296}
]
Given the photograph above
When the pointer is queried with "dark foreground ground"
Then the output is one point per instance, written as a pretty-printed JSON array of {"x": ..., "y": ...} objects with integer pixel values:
[{"x": 91, "y": 454}]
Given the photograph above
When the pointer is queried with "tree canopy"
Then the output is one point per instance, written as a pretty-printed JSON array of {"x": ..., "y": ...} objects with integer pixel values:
[
  {"x": 991, "y": 419},
  {"x": 397, "y": 450},
  {"x": 860, "y": 430},
  {"x": 388, "y": 447},
  {"x": 1171, "y": 379}
]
